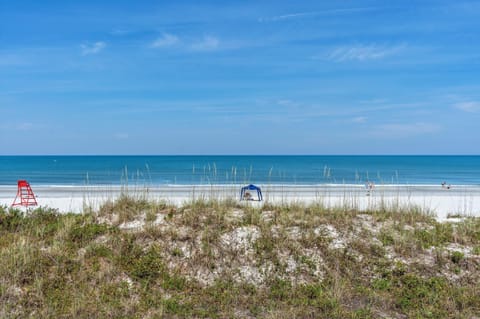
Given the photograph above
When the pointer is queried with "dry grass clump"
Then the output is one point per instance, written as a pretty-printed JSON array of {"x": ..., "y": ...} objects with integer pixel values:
[
  {"x": 220, "y": 259},
  {"x": 126, "y": 209}
]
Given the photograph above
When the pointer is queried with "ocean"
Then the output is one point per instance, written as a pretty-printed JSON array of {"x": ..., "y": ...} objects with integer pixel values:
[{"x": 210, "y": 170}]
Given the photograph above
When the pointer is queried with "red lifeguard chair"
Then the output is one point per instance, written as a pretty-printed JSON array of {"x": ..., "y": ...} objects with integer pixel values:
[{"x": 25, "y": 196}]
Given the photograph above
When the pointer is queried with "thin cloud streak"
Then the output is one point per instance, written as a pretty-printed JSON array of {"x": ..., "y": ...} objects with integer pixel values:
[
  {"x": 359, "y": 120},
  {"x": 208, "y": 43},
  {"x": 120, "y": 32},
  {"x": 26, "y": 126},
  {"x": 21, "y": 127},
  {"x": 404, "y": 130},
  {"x": 121, "y": 136},
  {"x": 11, "y": 60},
  {"x": 88, "y": 49},
  {"x": 166, "y": 40},
  {"x": 469, "y": 107},
  {"x": 363, "y": 53},
  {"x": 300, "y": 15}
]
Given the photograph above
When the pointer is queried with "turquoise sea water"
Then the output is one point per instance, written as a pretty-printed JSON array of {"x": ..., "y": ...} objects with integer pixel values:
[{"x": 184, "y": 170}]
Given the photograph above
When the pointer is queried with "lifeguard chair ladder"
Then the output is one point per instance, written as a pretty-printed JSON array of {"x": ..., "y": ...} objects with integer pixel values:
[{"x": 25, "y": 196}]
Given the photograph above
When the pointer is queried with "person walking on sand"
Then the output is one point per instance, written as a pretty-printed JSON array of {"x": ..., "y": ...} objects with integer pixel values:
[
  {"x": 445, "y": 186},
  {"x": 369, "y": 186}
]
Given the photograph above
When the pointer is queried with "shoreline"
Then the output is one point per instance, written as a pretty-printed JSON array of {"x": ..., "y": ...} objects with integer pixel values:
[{"x": 463, "y": 200}]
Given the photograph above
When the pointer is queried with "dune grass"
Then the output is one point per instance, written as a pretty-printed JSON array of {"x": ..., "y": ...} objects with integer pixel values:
[{"x": 135, "y": 258}]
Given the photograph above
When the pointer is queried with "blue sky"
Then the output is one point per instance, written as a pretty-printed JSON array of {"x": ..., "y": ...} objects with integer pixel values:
[{"x": 239, "y": 77}]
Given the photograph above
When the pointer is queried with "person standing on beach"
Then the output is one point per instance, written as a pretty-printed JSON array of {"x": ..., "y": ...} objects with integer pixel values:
[{"x": 369, "y": 186}]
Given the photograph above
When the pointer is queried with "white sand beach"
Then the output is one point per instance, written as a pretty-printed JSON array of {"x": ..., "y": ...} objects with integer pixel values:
[{"x": 459, "y": 200}]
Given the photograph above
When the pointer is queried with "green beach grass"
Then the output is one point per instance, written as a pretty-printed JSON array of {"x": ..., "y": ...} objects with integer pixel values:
[{"x": 137, "y": 258}]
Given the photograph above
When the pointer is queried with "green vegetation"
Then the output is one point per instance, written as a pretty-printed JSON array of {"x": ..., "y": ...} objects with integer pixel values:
[{"x": 209, "y": 259}]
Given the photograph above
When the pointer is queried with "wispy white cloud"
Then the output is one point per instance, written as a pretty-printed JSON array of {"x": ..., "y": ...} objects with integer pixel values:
[
  {"x": 470, "y": 106},
  {"x": 93, "y": 48},
  {"x": 301, "y": 15},
  {"x": 288, "y": 103},
  {"x": 288, "y": 16},
  {"x": 359, "y": 119},
  {"x": 363, "y": 52},
  {"x": 22, "y": 126},
  {"x": 25, "y": 126},
  {"x": 208, "y": 43},
  {"x": 121, "y": 136},
  {"x": 120, "y": 31},
  {"x": 374, "y": 101},
  {"x": 204, "y": 43},
  {"x": 402, "y": 130},
  {"x": 166, "y": 40},
  {"x": 11, "y": 60}
]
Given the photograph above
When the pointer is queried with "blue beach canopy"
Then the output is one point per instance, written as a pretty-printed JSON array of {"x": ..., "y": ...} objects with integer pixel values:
[{"x": 246, "y": 193}]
